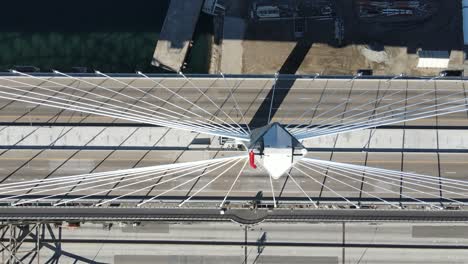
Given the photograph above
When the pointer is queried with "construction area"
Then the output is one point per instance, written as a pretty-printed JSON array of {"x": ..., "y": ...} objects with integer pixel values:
[{"x": 341, "y": 37}]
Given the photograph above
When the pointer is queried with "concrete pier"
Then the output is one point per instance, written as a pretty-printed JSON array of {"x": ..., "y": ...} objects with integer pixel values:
[{"x": 176, "y": 34}]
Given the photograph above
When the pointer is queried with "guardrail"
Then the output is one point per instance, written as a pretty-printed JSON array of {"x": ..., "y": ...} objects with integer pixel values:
[
  {"x": 242, "y": 216},
  {"x": 247, "y": 76}
]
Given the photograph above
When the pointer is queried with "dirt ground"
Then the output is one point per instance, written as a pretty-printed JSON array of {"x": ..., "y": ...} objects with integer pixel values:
[
  {"x": 267, "y": 46},
  {"x": 267, "y": 57}
]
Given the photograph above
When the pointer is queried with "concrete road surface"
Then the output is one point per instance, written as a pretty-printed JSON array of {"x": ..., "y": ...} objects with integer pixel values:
[
  {"x": 365, "y": 243},
  {"x": 40, "y": 142}
]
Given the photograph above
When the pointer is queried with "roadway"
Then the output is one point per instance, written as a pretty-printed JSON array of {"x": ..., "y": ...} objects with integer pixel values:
[
  {"x": 20, "y": 165},
  {"x": 320, "y": 95},
  {"x": 212, "y": 242},
  {"x": 31, "y": 150}
]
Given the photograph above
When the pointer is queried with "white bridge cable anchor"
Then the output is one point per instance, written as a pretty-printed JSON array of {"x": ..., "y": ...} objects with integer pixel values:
[
  {"x": 394, "y": 119},
  {"x": 380, "y": 107},
  {"x": 182, "y": 184},
  {"x": 195, "y": 124},
  {"x": 216, "y": 105},
  {"x": 407, "y": 175},
  {"x": 369, "y": 176},
  {"x": 359, "y": 174},
  {"x": 233, "y": 183},
  {"x": 158, "y": 98},
  {"x": 236, "y": 86},
  {"x": 135, "y": 113},
  {"x": 302, "y": 190},
  {"x": 13, "y": 185},
  {"x": 332, "y": 170},
  {"x": 404, "y": 108},
  {"x": 106, "y": 112},
  {"x": 309, "y": 128},
  {"x": 377, "y": 176},
  {"x": 113, "y": 114},
  {"x": 140, "y": 175},
  {"x": 85, "y": 180},
  {"x": 78, "y": 104},
  {"x": 338, "y": 126},
  {"x": 209, "y": 123},
  {"x": 272, "y": 98},
  {"x": 185, "y": 100},
  {"x": 58, "y": 189},
  {"x": 210, "y": 182},
  {"x": 195, "y": 121},
  {"x": 211, "y": 164},
  {"x": 349, "y": 185},
  {"x": 323, "y": 185},
  {"x": 271, "y": 184},
  {"x": 296, "y": 129}
]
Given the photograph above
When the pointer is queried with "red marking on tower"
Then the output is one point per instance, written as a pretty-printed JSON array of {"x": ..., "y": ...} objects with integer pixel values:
[{"x": 252, "y": 159}]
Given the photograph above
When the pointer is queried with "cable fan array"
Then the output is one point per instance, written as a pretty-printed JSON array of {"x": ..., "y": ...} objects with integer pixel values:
[
  {"x": 143, "y": 106},
  {"x": 60, "y": 189},
  {"x": 141, "y": 111},
  {"x": 377, "y": 112},
  {"x": 337, "y": 172}
]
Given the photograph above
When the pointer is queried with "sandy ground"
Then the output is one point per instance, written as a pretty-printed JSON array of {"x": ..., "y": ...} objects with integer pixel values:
[
  {"x": 266, "y": 46},
  {"x": 268, "y": 57}
]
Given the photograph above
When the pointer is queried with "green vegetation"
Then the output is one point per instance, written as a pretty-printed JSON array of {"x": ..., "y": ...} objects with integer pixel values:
[
  {"x": 105, "y": 51},
  {"x": 108, "y": 52}
]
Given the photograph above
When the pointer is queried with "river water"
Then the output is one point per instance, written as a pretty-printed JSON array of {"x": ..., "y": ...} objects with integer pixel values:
[{"x": 110, "y": 36}]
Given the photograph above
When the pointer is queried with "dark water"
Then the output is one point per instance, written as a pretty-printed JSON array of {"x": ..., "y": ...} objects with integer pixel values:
[
  {"x": 198, "y": 58},
  {"x": 83, "y": 16},
  {"x": 111, "y": 36}
]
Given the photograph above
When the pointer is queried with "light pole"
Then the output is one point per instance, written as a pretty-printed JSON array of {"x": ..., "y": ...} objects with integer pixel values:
[
  {"x": 359, "y": 74},
  {"x": 441, "y": 75},
  {"x": 401, "y": 75}
]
